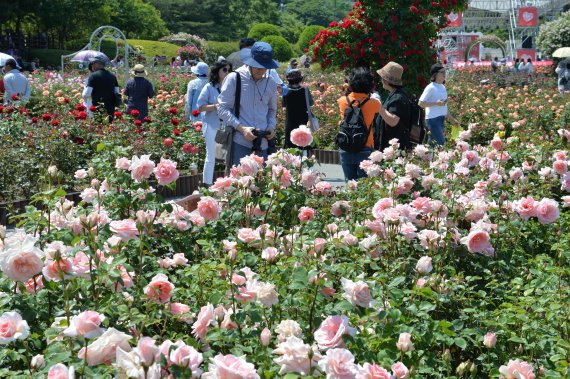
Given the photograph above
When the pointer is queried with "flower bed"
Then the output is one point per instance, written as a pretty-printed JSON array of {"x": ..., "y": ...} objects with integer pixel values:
[{"x": 442, "y": 264}]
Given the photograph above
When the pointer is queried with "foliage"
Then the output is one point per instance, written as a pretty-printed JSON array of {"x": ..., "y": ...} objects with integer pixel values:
[
  {"x": 290, "y": 27},
  {"x": 281, "y": 49},
  {"x": 309, "y": 34},
  {"x": 137, "y": 19},
  {"x": 554, "y": 34},
  {"x": 320, "y": 12},
  {"x": 217, "y": 48},
  {"x": 389, "y": 30},
  {"x": 48, "y": 57},
  {"x": 152, "y": 48},
  {"x": 258, "y": 31}
]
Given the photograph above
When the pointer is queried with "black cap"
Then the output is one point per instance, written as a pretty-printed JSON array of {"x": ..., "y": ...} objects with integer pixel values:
[{"x": 294, "y": 76}]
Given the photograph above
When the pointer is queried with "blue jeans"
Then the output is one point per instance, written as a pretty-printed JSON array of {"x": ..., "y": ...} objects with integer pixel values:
[
  {"x": 240, "y": 151},
  {"x": 435, "y": 127},
  {"x": 350, "y": 163}
]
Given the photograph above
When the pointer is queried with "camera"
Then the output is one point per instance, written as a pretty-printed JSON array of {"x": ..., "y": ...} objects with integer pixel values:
[{"x": 259, "y": 136}]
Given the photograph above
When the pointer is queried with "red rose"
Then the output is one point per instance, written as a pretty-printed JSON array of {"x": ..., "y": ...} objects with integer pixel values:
[
  {"x": 135, "y": 113},
  {"x": 194, "y": 149},
  {"x": 80, "y": 107},
  {"x": 78, "y": 140},
  {"x": 55, "y": 123},
  {"x": 187, "y": 148},
  {"x": 81, "y": 115},
  {"x": 174, "y": 121},
  {"x": 15, "y": 97},
  {"x": 34, "y": 120},
  {"x": 176, "y": 132},
  {"x": 173, "y": 110},
  {"x": 147, "y": 120},
  {"x": 168, "y": 142},
  {"x": 66, "y": 100},
  {"x": 92, "y": 108},
  {"x": 1, "y": 108},
  {"x": 414, "y": 9},
  {"x": 138, "y": 122},
  {"x": 195, "y": 112},
  {"x": 118, "y": 114},
  {"x": 46, "y": 117}
]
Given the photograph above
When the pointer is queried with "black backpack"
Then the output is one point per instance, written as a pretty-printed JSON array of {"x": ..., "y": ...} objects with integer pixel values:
[
  {"x": 417, "y": 130},
  {"x": 353, "y": 132}
]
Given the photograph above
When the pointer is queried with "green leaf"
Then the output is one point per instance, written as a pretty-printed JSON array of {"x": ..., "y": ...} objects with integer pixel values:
[
  {"x": 461, "y": 343},
  {"x": 100, "y": 147}
]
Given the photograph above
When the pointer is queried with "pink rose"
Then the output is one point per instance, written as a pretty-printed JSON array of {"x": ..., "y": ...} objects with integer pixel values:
[
  {"x": 547, "y": 211},
  {"x": 380, "y": 206},
  {"x": 181, "y": 309},
  {"x": 319, "y": 244},
  {"x": 329, "y": 335},
  {"x": 205, "y": 318},
  {"x": 517, "y": 369},
  {"x": 80, "y": 174},
  {"x": 125, "y": 229},
  {"x": 159, "y": 288},
  {"x": 248, "y": 235},
  {"x": 269, "y": 254},
  {"x": 339, "y": 364},
  {"x": 147, "y": 351},
  {"x": 294, "y": 356},
  {"x": 340, "y": 208},
  {"x": 301, "y": 136},
  {"x": 60, "y": 371},
  {"x": 21, "y": 260},
  {"x": 282, "y": 175},
  {"x": 103, "y": 349},
  {"x": 230, "y": 367},
  {"x": 526, "y": 207},
  {"x": 265, "y": 337},
  {"x": 478, "y": 242},
  {"x": 57, "y": 270},
  {"x": 309, "y": 178},
  {"x": 404, "y": 343},
  {"x": 166, "y": 172},
  {"x": 490, "y": 340},
  {"x": 560, "y": 167},
  {"x": 141, "y": 168},
  {"x": 424, "y": 265},
  {"x": 400, "y": 370},
  {"x": 209, "y": 208},
  {"x": 122, "y": 163},
  {"x": 187, "y": 356},
  {"x": 306, "y": 214},
  {"x": 358, "y": 294},
  {"x": 85, "y": 324},
  {"x": 12, "y": 327},
  {"x": 373, "y": 371},
  {"x": 565, "y": 182},
  {"x": 323, "y": 188}
]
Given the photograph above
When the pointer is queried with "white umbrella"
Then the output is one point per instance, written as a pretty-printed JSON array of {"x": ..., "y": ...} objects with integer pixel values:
[
  {"x": 562, "y": 52},
  {"x": 4, "y": 58},
  {"x": 87, "y": 55}
]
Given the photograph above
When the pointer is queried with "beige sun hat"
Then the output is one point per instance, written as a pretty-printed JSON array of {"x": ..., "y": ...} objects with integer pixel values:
[
  {"x": 139, "y": 71},
  {"x": 392, "y": 73}
]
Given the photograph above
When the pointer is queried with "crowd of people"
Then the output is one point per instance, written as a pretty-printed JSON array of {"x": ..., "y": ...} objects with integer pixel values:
[{"x": 243, "y": 91}]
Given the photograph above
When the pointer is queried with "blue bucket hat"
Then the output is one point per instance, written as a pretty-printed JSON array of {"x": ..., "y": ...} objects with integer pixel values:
[
  {"x": 200, "y": 69},
  {"x": 261, "y": 56}
]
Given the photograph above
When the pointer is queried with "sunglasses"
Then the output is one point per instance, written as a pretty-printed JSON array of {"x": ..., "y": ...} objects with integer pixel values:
[{"x": 225, "y": 69}]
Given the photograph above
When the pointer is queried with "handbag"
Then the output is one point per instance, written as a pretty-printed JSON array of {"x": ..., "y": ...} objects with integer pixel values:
[
  {"x": 313, "y": 121},
  {"x": 225, "y": 135}
]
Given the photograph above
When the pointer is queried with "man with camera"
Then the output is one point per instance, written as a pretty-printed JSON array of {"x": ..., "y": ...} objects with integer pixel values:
[{"x": 255, "y": 127}]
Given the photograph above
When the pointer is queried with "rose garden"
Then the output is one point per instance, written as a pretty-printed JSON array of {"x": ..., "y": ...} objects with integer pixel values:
[{"x": 449, "y": 262}]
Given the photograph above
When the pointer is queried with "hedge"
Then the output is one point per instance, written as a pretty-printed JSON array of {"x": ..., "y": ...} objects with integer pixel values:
[{"x": 281, "y": 49}]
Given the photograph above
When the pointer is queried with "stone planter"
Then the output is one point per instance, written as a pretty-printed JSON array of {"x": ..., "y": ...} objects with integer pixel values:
[{"x": 185, "y": 185}]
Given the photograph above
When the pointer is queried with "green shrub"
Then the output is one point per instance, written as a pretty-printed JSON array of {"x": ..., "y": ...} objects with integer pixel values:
[
  {"x": 216, "y": 48},
  {"x": 281, "y": 49},
  {"x": 259, "y": 31},
  {"x": 152, "y": 48},
  {"x": 307, "y": 35},
  {"x": 185, "y": 39},
  {"x": 554, "y": 34},
  {"x": 48, "y": 57}
]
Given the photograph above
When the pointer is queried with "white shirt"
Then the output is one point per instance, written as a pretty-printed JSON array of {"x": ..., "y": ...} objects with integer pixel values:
[
  {"x": 16, "y": 84},
  {"x": 432, "y": 93}
]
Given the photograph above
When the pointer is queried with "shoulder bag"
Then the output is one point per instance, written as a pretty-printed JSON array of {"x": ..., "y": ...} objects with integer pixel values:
[
  {"x": 313, "y": 122},
  {"x": 225, "y": 135}
]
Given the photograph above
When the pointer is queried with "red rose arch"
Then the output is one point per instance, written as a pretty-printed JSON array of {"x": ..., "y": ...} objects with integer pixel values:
[{"x": 379, "y": 31}]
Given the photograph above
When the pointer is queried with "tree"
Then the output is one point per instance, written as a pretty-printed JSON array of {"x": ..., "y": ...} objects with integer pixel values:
[
  {"x": 554, "y": 34},
  {"x": 317, "y": 12},
  {"x": 281, "y": 48},
  {"x": 309, "y": 33},
  {"x": 137, "y": 19},
  {"x": 258, "y": 31},
  {"x": 379, "y": 31}
]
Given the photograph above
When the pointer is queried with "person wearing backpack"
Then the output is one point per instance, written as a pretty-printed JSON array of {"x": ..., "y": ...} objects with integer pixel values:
[
  {"x": 395, "y": 112},
  {"x": 434, "y": 101},
  {"x": 355, "y": 138}
]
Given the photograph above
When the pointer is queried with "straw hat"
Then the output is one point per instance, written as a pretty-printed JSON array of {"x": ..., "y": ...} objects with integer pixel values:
[
  {"x": 139, "y": 71},
  {"x": 392, "y": 73}
]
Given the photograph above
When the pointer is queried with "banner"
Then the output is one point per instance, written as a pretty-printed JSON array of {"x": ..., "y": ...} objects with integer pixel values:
[
  {"x": 526, "y": 53},
  {"x": 454, "y": 20},
  {"x": 528, "y": 17}
]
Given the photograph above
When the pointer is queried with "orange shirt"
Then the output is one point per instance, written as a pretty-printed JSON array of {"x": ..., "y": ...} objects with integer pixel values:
[{"x": 369, "y": 110}]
